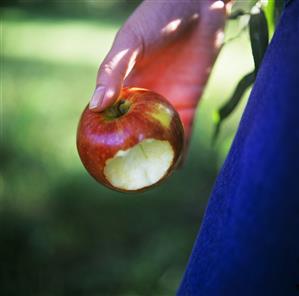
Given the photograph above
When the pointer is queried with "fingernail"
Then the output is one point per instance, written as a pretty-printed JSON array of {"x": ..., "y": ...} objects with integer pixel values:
[{"x": 97, "y": 97}]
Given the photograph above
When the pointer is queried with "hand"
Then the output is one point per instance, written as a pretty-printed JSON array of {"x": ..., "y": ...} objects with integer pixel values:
[{"x": 168, "y": 47}]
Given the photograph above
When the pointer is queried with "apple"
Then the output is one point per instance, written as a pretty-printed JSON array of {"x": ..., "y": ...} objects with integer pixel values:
[{"x": 134, "y": 144}]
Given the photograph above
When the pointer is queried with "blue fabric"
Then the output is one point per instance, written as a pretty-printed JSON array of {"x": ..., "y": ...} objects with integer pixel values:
[{"x": 248, "y": 243}]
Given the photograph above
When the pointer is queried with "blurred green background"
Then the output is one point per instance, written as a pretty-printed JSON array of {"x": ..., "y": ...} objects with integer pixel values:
[{"x": 61, "y": 233}]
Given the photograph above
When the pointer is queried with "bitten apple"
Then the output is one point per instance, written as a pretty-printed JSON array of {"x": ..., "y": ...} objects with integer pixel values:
[{"x": 134, "y": 144}]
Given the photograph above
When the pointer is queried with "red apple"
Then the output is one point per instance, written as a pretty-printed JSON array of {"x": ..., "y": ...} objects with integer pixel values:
[{"x": 133, "y": 144}]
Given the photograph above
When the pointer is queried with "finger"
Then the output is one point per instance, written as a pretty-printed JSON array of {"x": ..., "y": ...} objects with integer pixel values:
[{"x": 115, "y": 67}]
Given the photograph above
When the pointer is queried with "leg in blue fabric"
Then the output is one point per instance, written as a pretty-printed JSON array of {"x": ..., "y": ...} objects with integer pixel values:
[{"x": 248, "y": 243}]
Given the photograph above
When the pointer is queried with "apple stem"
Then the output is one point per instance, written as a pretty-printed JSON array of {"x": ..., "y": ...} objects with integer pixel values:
[
  {"x": 117, "y": 110},
  {"x": 120, "y": 108}
]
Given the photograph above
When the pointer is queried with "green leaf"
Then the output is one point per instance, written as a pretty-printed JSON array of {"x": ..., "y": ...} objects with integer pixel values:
[
  {"x": 232, "y": 103},
  {"x": 269, "y": 10},
  {"x": 259, "y": 37}
]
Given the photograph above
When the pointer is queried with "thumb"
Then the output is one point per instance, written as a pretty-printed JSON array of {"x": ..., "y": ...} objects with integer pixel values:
[{"x": 113, "y": 70}]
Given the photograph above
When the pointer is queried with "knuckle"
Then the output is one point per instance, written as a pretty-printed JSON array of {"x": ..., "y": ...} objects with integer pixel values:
[
  {"x": 105, "y": 71},
  {"x": 107, "y": 67}
]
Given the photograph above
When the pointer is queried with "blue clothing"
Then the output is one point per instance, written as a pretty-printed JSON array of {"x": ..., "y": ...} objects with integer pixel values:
[{"x": 248, "y": 243}]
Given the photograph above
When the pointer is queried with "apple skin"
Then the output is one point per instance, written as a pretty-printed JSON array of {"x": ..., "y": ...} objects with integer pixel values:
[{"x": 101, "y": 135}]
